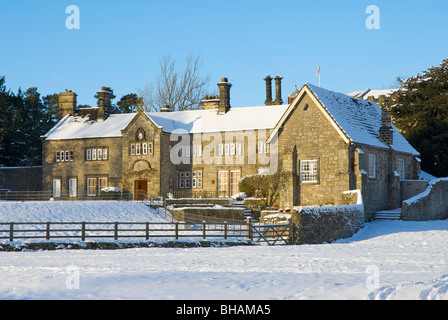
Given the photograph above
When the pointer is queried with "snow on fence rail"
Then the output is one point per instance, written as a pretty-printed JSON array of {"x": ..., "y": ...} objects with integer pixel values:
[{"x": 119, "y": 230}]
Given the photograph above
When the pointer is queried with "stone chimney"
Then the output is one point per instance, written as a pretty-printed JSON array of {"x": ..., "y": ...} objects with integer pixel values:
[
  {"x": 224, "y": 96},
  {"x": 278, "y": 90},
  {"x": 166, "y": 108},
  {"x": 104, "y": 96},
  {"x": 67, "y": 103},
  {"x": 268, "y": 100},
  {"x": 210, "y": 102},
  {"x": 386, "y": 131}
]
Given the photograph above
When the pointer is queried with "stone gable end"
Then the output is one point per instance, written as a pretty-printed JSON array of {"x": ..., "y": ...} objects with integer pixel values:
[{"x": 310, "y": 134}]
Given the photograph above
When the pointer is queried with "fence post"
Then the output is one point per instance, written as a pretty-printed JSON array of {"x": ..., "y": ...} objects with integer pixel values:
[
  {"x": 11, "y": 231},
  {"x": 225, "y": 230},
  {"x": 47, "y": 236},
  {"x": 83, "y": 231},
  {"x": 147, "y": 230},
  {"x": 203, "y": 229},
  {"x": 176, "y": 230},
  {"x": 116, "y": 231},
  {"x": 249, "y": 229}
]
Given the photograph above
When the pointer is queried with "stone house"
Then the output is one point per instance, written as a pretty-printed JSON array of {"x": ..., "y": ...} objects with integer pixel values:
[{"x": 327, "y": 142}]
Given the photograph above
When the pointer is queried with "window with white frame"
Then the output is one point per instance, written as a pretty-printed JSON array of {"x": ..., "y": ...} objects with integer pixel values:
[
  {"x": 308, "y": 171},
  {"x": 64, "y": 156},
  {"x": 144, "y": 148},
  {"x": 184, "y": 180},
  {"x": 226, "y": 149},
  {"x": 72, "y": 187},
  {"x": 223, "y": 183},
  {"x": 196, "y": 179},
  {"x": 150, "y": 148},
  {"x": 238, "y": 149},
  {"x": 263, "y": 147},
  {"x": 56, "y": 188},
  {"x": 97, "y": 154},
  {"x": 197, "y": 150},
  {"x": 371, "y": 168},
  {"x": 133, "y": 149},
  {"x": 91, "y": 187}
]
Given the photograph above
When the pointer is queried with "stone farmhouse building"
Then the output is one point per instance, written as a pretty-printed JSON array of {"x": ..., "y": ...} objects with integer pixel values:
[{"x": 327, "y": 143}]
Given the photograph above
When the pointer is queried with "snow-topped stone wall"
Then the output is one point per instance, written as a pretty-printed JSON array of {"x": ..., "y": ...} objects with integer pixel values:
[
  {"x": 315, "y": 225},
  {"x": 432, "y": 204}
]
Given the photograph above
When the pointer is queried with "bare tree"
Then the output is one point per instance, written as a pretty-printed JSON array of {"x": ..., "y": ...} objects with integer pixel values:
[{"x": 181, "y": 90}]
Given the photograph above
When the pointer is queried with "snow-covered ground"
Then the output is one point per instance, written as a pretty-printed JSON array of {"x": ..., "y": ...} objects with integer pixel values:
[{"x": 384, "y": 260}]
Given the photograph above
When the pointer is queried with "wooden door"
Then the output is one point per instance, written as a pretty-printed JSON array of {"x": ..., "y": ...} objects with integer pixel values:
[{"x": 140, "y": 189}]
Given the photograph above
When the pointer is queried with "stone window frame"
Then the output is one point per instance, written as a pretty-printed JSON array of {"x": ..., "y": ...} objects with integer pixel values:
[{"x": 311, "y": 175}]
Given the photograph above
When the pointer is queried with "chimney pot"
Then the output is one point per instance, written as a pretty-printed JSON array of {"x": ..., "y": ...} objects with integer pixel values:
[
  {"x": 268, "y": 100},
  {"x": 278, "y": 90}
]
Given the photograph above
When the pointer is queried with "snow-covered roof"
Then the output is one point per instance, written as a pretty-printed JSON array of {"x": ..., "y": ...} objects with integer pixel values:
[
  {"x": 77, "y": 127},
  {"x": 359, "y": 119},
  {"x": 372, "y": 93},
  {"x": 237, "y": 119},
  {"x": 194, "y": 121}
]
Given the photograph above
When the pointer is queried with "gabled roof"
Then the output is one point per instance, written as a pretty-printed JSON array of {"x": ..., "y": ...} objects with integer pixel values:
[{"x": 356, "y": 120}]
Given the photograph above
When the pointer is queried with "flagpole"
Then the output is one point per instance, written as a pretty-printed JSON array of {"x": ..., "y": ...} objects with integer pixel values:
[{"x": 318, "y": 73}]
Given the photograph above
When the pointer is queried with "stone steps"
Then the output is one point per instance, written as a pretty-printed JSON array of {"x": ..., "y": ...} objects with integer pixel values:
[
  {"x": 394, "y": 214},
  {"x": 241, "y": 204}
]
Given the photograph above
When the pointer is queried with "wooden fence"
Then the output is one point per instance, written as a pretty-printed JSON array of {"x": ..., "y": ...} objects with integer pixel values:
[{"x": 143, "y": 230}]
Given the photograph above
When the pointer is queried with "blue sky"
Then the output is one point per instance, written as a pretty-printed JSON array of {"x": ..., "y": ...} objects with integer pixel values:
[{"x": 119, "y": 43}]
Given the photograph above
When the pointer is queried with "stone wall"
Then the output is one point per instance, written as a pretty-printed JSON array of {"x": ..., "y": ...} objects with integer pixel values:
[
  {"x": 191, "y": 214},
  {"x": 193, "y": 201},
  {"x": 432, "y": 204},
  {"x": 316, "y": 225}
]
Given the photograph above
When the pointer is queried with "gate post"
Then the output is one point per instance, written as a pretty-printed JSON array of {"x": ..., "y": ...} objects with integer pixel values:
[{"x": 249, "y": 229}]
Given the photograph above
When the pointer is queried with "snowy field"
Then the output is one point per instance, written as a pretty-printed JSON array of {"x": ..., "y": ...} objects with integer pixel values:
[{"x": 384, "y": 260}]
